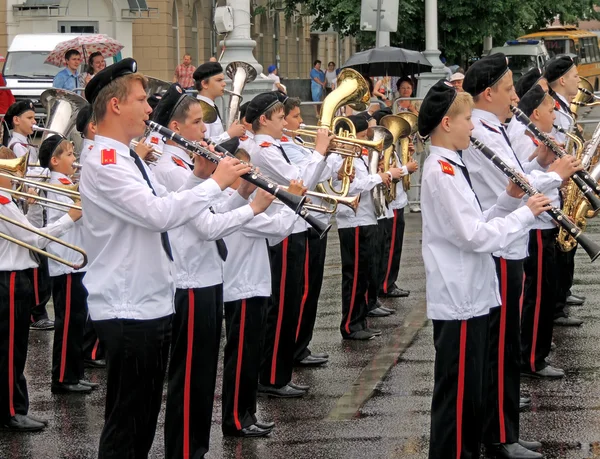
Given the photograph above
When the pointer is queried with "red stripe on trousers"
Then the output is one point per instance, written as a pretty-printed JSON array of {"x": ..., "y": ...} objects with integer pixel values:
[
  {"x": 305, "y": 295},
  {"x": 538, "y": 297},
  {"x": 461, "y": 386},
  {"x": 354, "y": 280},
  {"x": 36, "y": 290},
  {"x": 391, "y": 255},
  {"x": 11, "y": 343},
  {"x": 281, "y": 304},
  {"x": 95, "y": 349},
  {"x": 188, "y": 376},
  {"x": 501, "y": 344},
  {"x": 238, "y": 368},
  {"x": 65, "y": 337}
]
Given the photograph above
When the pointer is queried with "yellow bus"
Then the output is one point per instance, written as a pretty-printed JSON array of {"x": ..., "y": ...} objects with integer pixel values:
[{"x": 582, "y": 45}]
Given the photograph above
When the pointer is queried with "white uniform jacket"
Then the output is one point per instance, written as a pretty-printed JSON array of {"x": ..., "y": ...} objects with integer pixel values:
[
  {"x": 564, "y": 117},
  {"x": 173, "y": 168},
  {"x": 247, "y": 141},
  {"x": 20, "y": 145},
  {"x": 214, "y": 130},
  {"x": 401, "y": 200},
  {"x": 130, "y": 275},
  {"x": 86, "y": 147},
  {"x": 458, "y": 239}
]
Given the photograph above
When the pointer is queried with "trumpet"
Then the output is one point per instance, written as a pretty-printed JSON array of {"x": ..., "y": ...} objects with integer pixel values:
[
  {"x": 153, "y": 155},
  {"x": 351, "y": 202},
  {"x": 587, "y": 90}
]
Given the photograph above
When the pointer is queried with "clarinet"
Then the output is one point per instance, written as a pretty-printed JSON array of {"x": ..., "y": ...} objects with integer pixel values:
[
  {"x": 592, "y": 249},
  {"x": 586, "y": 184}
]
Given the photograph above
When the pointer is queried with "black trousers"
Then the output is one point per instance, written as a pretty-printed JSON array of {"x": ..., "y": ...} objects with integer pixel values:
[
  {"x": 376, "y": 272},
  {"x": 244, "y": 323},
  {"x": 42, "y": 289},
  {"x": 537, "y": 321},
  {"x": 92, "y": 348},
  {"x": 287, "y": 281},
  {"x": 70, "y": 313},
  {"x": 565, "y": 271},
  {"x": 502, "y": 412},
  {"x": 136, "y": 352},
  {"x": 357, "y": 246},
  {"x": 193, "y": 371},
  {"x": 314, "y": 266},
  {"x": 392, "y": 250},
  {"x": 457, "y": 407},
  {"x": 16, "y": 300}
]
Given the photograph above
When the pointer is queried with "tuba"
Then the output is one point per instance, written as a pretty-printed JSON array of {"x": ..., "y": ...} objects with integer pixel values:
[
  {"x": 156, "y": 86},
  {"x": 62, "y": 108},
  {"x": 401, "y": 128},
  {"x": 377, "y": 133},
  {"x": 240, "y": 74}
]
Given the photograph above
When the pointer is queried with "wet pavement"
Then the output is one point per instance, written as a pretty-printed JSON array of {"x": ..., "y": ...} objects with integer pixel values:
[{"x": 371, "y": 400}]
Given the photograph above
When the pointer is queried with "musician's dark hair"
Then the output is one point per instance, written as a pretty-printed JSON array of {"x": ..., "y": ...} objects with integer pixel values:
[
  {"x": 181, "y": 111},
  {"x": 290, "y": 104},
  {"x": 7, "y": 153},
  {"x": 71, "y": 52},
  {"x": 277, "y": 107}
]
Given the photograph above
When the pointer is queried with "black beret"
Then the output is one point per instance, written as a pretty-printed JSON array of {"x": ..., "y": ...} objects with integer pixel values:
[
  {"x": 360, "y": 122},
  {"x": 231, "y": 145},
  {"x": 207, "y": 70},
  {"x": 532, "y": 99},
  {"x": 104, "y": 77},
  {"x": 47, "y": 149},
  {"x": 83, "y": 118},
  {"x": 168, "y": 104},
  {"x": 381, "y": 113},
  {"x": 484, "y": 73},
  {"x": 243, "y": 109},
  {"x": 17, "y": 109},
  {"x": 557, "y": 67},
  {"x": 282, "y": 96},
  {"x": 259, "y": 105},
  {"x": 366, "y": 115},
  {"x": 435, "y": 106},
  {"x": 527, "y": 81},
  {"x": 154, "y": 99}
]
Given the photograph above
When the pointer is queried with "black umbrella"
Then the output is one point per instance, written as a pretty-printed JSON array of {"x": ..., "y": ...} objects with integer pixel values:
[{"x": 389, "y": 61}]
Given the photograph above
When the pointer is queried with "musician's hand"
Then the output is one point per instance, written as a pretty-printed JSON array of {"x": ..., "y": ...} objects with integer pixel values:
[
  {"x": 203, "y": 168},
  {"x": 411, "y": 148},
  {"x": 246, "y": 188},
  {"x": 228, "y": 170},
  {"x": 143, "y": 149},
  {"x": 412, "y": 166},
  {"x": 236, "y": 129},
  {"x": 297, "y": 187},
  {"x": 32, "y": 201},
  {"x": 262, "y": 200},
  {"x": 545, "y": 156},
  {"x": 396, "y": 172},
  {"x": 566, "y": 166},
  {"x": 75, "y": 214},
  {"x": 538, "y": 203},
  {"x": 514, "y": 191},
  {"x": 324, "y": 138},
  {"x": 385, "y": 178}
]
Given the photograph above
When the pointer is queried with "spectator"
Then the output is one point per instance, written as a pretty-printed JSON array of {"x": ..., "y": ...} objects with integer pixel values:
[
  {"x": 457, "y": 81},
  {"x": 96, "y": 63},
  {"x": 331, "y": 77},
  {"x": 382, "y": 90},
  {"x": 184, "y": 73},
  {"x": 446, "y": 68},
  {"x": 213, "y": 59},
  {"x": 273, "y": 75},
  {"x": 405, "y": 89},
  {"x": 68, "y": 78},
  {"x": 317, "y": 84}
]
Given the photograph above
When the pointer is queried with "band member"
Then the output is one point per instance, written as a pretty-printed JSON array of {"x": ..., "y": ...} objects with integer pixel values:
[
  {"x": 16, "y": 299},
  {"x": 199, "y": 252},
  {"x": 68, "y": 294},
  {"x": 490, "y": 83},
  {"x": 266, "y": 114},
  {"x": 563, "y": 79},
  {"x": 210, "y": 84},
  {"x": 246, "y": 292},
  {"x": 515, "y": 128},
  {"x": 458, "y": 239},
  {"x": 358, "y": 237},
  {"x": 247, "y": 140},
  {"x": 86, "y": 126},
  {"x": 314, "y": 260},
  {"x": 126, "y": 222}
]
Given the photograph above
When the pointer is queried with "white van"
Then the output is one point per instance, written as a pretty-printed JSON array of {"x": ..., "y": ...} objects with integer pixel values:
[{"x": 523, "y": 55}]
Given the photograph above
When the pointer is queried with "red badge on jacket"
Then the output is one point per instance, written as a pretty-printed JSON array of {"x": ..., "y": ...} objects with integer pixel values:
[
  {"x": 284, "y": 139},
  {"x": 4, "y": 200},
  {"x": 446, "y": 167},
  {"x": 64, "y": 181},
  {"x": 244, "y": 137},
  {"x": 556, "y": 105},
  {"x": 154, "y": 140},
  {"x": 266, "y": 144},
  {"x": 178, "y": 161},
  {"x": 108, "y": 156}
]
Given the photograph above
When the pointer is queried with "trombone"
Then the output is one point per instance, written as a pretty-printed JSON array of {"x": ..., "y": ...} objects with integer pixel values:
[
  {"x": 46, "y": 202},
  {"x": 67, "y": 190}
]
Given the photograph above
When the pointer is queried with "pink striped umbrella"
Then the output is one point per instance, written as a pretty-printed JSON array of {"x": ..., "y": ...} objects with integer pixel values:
[{"x": 86, "y": 45}]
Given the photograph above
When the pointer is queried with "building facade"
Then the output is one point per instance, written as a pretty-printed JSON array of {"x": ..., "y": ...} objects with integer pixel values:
[{"x": 158, "y": 36}]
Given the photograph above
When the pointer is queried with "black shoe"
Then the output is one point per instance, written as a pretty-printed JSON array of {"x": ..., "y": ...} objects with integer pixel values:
[
  {"x": 42, "y": 324},
  {"x": 361, "y": 335},
  {"x": 568, "y": 322},
  {"x": 311, "y": 361},
  {"x": 378, "y": 312},
  {"x": 302, "y": 387},
  {"x": 320, "y": 355},
  {"x": 22, "y": 423},
  {"x": 280, "y": 392},
  {"x": 265, "y": 425},
  {"x": 530, "y": 445},
  {"x": 574, "y": 300},
  {"x": 250, "y": 431},
  {"x": 36, "y": 419},
  {"x": 511, "y": 451},
  {"x": 93, "y": 385},
  {"x": 61, "y": 388},
  {"x": 374, "y": 331},
  {"x": 395, "y": 293},
  {"x": 94, "y": 363},
  {"x": 549, "y": 372},
  {"x": 384, "y": 309},
  {"x": 524, "y": 403}
]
